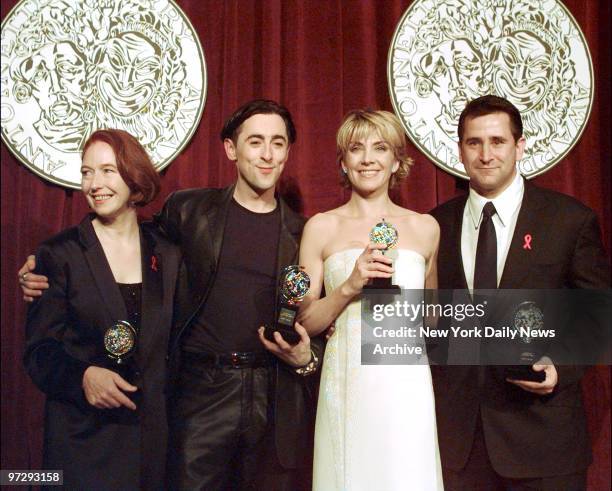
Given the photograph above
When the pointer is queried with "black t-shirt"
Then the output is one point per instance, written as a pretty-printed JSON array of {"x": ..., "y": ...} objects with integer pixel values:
[{"x": 242, "y": 297}]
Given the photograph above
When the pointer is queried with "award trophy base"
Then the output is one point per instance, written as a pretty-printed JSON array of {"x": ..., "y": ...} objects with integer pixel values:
[
  {"x": 284, "y": 325},
  {"x": 288, "y": 335},
  {"x": 378, "y": 284},
  {"x": 526, "y": 372}
]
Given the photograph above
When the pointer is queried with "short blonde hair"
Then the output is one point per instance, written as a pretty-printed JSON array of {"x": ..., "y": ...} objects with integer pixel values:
[{"x": 358, "y": 124}]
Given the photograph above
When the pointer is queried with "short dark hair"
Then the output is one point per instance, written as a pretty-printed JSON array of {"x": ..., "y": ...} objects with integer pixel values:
[
  {"x": 231, "y": 127},
  {"x": 133, "y": 163},
  {"x": 489, "y": 104}
]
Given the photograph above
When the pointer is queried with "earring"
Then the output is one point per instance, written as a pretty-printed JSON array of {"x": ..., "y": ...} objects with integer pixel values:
[{"x": 344, "y": 170}]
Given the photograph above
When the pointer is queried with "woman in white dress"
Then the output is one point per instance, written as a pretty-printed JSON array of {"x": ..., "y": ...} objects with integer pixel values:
[{"x": 375, "y": 426}]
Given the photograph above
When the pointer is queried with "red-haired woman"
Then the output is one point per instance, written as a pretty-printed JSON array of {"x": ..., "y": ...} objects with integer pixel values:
[{"x": 97, "y": 338}]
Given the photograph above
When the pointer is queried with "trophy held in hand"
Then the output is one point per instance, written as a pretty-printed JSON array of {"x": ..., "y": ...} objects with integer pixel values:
[
  {"x": 294, "y": 286},
  {"x": 384, "y": 233}
]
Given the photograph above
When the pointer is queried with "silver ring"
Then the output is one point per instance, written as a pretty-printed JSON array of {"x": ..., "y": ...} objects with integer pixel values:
[{"x": 24, "y": 276}]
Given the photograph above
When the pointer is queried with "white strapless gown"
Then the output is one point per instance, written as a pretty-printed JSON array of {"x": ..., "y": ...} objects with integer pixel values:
[{"x": 376, "y": 425}]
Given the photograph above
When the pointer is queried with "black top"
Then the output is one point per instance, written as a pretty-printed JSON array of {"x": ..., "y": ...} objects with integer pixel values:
[
  {"x": 132, "y": 295},
  {"x": 242, "y": 297}
]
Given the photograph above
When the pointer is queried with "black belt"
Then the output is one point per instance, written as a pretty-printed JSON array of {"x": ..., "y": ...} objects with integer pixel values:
[{"x": 237, "y": 359}]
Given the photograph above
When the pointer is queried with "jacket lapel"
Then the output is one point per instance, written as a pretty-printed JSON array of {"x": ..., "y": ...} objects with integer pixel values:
[
  {"x": 529, "y": 237},
  {"x": 101, "y": 273},
  {"x": 288, "y": 241},
  {"x": 216, "y": 216},
  {"x": 152, "y": 293},
  {"x": 450, "y": 262},
  {"x": 459, "y": 273},
  {"x": 201, "y": 258}
]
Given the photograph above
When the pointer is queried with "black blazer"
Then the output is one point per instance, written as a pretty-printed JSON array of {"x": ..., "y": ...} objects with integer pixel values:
[
  {"x": 100, "y": 448},
  {"x": 195, "y": 218},
  {"x": 526, "y": 435}
]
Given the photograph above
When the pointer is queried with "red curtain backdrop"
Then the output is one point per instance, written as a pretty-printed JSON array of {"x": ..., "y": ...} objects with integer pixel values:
[{"x": 320, "y": 58}]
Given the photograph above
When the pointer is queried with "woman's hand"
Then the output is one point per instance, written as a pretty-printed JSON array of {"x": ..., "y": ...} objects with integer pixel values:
[
  {"x": 103, "y": 389},
  {"x": 370, "y": 264}
]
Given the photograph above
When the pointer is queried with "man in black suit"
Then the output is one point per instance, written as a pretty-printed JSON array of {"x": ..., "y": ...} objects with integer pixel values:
[
  {"x": 240, "y": 419},
  {"x": 496, "y": 432}
]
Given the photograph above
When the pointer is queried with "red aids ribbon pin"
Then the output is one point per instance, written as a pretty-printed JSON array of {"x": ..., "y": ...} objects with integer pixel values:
[
  {"x": 527, "y": 244},
  {"x": 154, "y": 263}
]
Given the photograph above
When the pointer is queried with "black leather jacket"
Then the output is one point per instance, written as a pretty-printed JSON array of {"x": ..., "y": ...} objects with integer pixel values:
[{"x": 195, "y": 219}]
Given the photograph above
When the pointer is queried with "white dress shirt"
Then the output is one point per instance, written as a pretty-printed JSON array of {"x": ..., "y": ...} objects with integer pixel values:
[{"x": 507, "y": 206}]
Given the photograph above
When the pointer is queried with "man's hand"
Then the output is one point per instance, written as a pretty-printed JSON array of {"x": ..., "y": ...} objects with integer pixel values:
[
  {"x": 32, "y": 285},
  {"x": 297, "y": 355},
  {"x": 103, "y": 389},
  {"x": 547, "y": 385}
]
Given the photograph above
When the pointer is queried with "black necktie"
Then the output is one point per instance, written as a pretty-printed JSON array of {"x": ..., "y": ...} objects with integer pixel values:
[{"x": 485, "y": 270}]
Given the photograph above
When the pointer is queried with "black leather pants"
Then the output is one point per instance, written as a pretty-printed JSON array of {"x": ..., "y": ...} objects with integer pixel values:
[{"x": 218, "y": 426}]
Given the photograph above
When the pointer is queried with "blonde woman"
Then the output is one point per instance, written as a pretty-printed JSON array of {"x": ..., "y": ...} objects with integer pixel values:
[{"x": 375, "y": 426}]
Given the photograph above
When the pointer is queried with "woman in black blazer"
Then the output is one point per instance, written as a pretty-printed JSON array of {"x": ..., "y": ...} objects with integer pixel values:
[{"x": 105, "y": 416}]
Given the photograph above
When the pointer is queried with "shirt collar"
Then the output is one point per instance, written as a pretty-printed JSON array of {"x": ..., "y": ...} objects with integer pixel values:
[{"x": 505, "y": 204}]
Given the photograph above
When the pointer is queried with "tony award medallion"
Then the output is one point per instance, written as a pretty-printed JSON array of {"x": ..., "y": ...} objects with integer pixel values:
[
  {"x": 294, "y": 286},
  {"x": 120, "y": 341},
  {"x": 384, "y": 233},
  {"x": 527, "y": 318},
  {"x": 445, "y": 53}
]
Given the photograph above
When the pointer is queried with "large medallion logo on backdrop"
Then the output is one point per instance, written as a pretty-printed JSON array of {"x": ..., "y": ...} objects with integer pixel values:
[
  {"x": 447, "y": 52},
  {"x": 70, "y": 67}
]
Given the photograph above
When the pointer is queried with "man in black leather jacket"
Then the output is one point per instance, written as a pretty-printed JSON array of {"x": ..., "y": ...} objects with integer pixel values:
[{"x": 234, "y": 407}]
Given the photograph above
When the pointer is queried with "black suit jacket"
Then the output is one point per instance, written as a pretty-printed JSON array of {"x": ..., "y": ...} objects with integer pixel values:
[
  {"x": 100, "y": 448},
  {"x": 526, "y": 435},
  {"x": 195, "y": 219}
]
